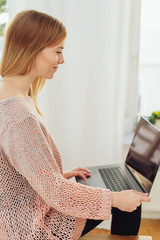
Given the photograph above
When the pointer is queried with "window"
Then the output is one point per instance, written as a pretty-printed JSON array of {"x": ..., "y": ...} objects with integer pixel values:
[{"x": 149, "y": 61}]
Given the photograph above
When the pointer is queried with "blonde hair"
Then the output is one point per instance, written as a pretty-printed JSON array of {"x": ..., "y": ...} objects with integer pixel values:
[{"x": 28, "y": 33}]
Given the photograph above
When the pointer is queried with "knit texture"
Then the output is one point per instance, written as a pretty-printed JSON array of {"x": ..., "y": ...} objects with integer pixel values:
[{"x": 36, "y": 201}]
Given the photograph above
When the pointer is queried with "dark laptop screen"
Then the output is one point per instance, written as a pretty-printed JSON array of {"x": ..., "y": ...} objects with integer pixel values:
[{"x": 143, "y": 158}]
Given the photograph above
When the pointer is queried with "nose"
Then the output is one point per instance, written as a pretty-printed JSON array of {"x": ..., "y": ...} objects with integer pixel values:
[{"x": 61, "y": 59}]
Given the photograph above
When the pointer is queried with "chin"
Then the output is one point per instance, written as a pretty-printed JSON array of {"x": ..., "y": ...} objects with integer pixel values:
[{"x": 49, "y": 77}]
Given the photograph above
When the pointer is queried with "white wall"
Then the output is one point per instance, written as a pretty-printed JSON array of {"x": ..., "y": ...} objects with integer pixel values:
[{"x": 86, "y": 100}]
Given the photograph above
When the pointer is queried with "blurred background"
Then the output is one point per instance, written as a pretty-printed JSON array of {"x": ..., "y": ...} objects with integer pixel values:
[{"x": 111, "y": 76}]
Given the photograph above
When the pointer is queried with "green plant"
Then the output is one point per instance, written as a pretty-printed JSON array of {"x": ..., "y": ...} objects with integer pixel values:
[
  {"x": 155, "y": 115},
  {"x": 3, "y": 8}
]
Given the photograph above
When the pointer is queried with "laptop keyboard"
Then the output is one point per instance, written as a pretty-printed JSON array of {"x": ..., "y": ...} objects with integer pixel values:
[{"x": 114, "y": 179}]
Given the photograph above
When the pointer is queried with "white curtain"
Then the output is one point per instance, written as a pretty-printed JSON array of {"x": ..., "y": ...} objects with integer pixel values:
[{"x": 93, "y": 93}]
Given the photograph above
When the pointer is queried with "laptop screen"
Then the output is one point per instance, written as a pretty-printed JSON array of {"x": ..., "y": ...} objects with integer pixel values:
[{"x": 143, "y": 158}]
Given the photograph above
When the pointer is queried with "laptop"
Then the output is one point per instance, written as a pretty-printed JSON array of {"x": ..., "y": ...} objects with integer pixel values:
[{"x": 140, "y": 167}]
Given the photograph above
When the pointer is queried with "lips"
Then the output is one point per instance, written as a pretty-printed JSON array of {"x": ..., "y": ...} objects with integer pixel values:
[{"x": 55, "y": 68}]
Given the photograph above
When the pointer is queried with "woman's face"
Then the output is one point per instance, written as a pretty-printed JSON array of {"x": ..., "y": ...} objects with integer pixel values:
[{"x": 47, "y": 61}]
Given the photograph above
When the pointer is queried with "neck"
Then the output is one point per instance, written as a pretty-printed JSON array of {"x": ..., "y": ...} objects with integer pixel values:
[{"x": 20, "y": 83}]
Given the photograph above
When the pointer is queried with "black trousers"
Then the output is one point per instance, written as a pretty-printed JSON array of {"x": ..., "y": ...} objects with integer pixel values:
[{"x": 123, "y": 223}]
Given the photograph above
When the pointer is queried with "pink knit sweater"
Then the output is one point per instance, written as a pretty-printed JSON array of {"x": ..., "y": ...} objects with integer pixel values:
[{"x": 36, "y": 201}]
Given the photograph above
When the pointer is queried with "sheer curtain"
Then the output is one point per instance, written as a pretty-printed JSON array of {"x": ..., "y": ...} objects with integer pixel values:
[{"x": 91, "y": 95}]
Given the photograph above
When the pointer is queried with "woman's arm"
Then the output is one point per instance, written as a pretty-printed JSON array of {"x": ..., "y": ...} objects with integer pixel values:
[
  {"x": 127, "y": 200},
  {"x": 25, "y": 144}
]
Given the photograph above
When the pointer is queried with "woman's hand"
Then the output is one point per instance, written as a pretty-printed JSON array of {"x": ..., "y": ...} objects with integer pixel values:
[
  {"x": 129, "y": 200},
  {"x": 81, "y": 172}
]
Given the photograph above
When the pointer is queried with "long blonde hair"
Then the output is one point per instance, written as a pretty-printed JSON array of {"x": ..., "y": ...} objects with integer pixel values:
[{"x": 29, "y": 32}]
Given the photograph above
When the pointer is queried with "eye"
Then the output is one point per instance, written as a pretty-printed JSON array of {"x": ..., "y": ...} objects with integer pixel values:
[{"x": 58, "y": 52}]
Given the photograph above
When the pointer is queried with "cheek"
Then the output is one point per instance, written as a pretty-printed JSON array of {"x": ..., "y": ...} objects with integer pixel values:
[{"x": 45, "y": 60}]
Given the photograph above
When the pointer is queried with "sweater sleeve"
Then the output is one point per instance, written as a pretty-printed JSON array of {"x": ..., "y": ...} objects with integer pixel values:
[{"x": 29, "y": 152}]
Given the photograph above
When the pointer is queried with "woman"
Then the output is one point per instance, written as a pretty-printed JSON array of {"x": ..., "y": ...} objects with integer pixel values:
[{"x": 37, "y": 199}]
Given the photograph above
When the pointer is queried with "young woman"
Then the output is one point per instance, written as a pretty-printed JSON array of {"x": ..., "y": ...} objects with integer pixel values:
[{"x": 37, "y": 200}]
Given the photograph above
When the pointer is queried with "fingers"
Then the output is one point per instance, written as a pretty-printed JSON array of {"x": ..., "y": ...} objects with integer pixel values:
[
  {"x": 144, "y": 197},
  {"x": 83, "y": 174},
  {"x": 142, "y": 194},
  {"x": 85, "y": 170},
  {"x": 133, "y": 200}
]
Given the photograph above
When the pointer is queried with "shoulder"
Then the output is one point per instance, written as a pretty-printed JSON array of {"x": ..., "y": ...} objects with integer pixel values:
[
  {"x": 14, "y": 109},
  {"x": 14, "y": 104}
]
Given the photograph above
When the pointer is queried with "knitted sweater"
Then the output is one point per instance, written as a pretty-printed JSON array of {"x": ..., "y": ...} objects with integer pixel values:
[{"x": 36, "y": 201}]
